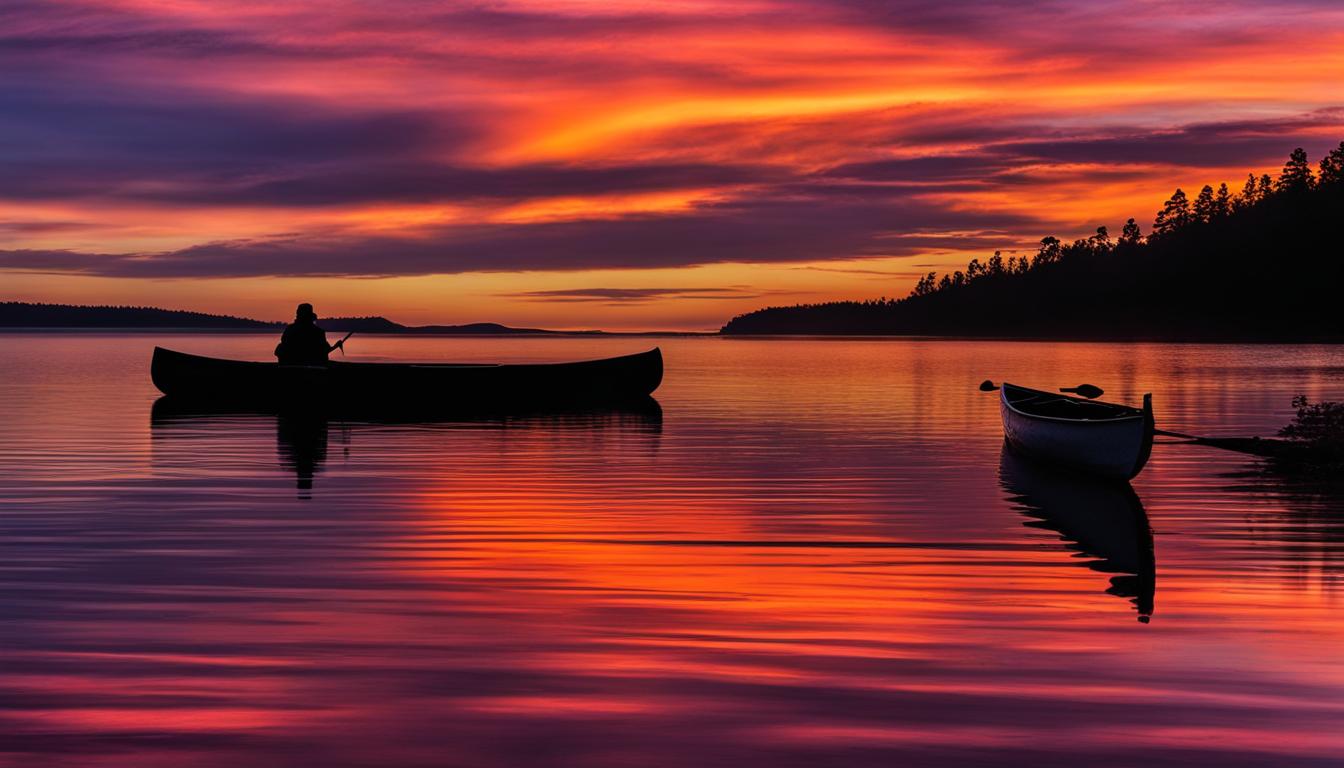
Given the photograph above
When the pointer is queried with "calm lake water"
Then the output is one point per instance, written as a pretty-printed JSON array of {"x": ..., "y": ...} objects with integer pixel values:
[{"x": 815, "y": 555}]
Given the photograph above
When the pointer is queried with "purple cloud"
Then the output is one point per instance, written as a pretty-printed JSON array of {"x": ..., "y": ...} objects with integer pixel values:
[{"x": 1202, "y": 145}]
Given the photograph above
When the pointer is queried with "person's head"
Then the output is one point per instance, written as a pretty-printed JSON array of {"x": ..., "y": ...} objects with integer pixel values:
[{"x": 305, "y": 313}]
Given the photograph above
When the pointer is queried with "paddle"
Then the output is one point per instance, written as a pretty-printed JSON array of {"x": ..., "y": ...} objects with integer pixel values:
[
  {"x": 1256, "y": 446},
  {"x": 341, "y": 344},
  {"x": 1083, "y": 390}
]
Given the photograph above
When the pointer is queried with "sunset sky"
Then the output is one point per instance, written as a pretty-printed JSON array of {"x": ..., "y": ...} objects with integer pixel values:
[{"x": 613, "y": 164}]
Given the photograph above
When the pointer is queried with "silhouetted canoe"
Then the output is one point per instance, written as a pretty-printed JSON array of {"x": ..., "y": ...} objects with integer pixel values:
[
  {"x": 405, "y": 387},
  {"x": 1102, "y": 439}
]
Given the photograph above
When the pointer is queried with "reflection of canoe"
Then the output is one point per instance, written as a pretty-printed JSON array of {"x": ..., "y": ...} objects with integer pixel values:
[
  {"x": 1103, "y": 439},
  {"x": 186, "y": 432},
  {"x": 1104, "y": 521},
  {"x": 643, "y": 413},
  {"x": 406, "y": 386}
]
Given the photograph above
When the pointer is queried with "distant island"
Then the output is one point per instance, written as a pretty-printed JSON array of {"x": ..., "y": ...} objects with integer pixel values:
[
  {"x": 14, "y": 314},
  {"x": 17, "y": 314},
  {"x": 1263, "y": 264}
]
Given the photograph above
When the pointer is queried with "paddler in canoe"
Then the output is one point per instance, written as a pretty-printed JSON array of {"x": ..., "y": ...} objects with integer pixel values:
[{"x": 303, "y": 342}]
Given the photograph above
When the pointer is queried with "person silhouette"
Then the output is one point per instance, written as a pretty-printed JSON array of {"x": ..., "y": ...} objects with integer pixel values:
[{"x": 303, "y": 342}]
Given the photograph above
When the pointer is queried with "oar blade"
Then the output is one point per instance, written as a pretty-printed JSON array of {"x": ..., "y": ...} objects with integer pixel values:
[{"x": 1088, "y": 391}]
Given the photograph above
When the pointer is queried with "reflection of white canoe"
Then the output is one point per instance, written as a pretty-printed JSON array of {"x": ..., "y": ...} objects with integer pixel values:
[
  {"x": 1103, "y": 520},
  {"x": 1103, "y": 439}
]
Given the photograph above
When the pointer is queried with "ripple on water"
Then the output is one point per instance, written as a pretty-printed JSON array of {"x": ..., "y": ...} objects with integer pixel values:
[{"x": 814, "y": 553}]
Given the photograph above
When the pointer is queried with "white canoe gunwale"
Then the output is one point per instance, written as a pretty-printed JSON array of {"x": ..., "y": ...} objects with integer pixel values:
[{"x": 1102, "y": 439}]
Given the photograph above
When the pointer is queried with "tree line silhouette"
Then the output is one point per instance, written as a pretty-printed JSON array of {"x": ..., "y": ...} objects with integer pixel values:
[{"x": 1261, "y": 264}]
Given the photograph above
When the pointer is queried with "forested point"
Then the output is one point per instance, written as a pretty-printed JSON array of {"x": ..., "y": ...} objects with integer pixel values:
[{"x": 1265, "y": 263}]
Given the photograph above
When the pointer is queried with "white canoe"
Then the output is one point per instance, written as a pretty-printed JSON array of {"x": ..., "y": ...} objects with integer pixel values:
[{"x": 1102, "y": 439}]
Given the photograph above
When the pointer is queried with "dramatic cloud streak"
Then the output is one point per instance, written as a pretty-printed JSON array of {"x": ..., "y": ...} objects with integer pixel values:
[
  {"x": 616, "y": 295},
  {"x": 146, "y": 142},
  {"x": 823, "y": 223}
]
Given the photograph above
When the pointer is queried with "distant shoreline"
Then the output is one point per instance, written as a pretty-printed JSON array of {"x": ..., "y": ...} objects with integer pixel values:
[{"x": 49, "y": 318}]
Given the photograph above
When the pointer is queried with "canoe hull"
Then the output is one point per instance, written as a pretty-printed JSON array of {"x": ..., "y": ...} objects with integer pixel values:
[
  {"x": 405, "y": 386},
  {"x": 1113, "y": 448}
]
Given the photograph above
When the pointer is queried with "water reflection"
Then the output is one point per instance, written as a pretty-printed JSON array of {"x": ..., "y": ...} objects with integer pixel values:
[
  {"x": 1301, "y": 518},
  {"x": 1100, "y": 520},
  {"x": 181, "y": 432},
  {"x": 810, "y": 561},
  {"x": 301, "y": 443}
]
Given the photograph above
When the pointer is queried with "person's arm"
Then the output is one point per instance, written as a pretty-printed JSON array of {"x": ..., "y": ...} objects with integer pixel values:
[
  {"x": 284, "y": 339},
  {"x": 321, "y": 335}
]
